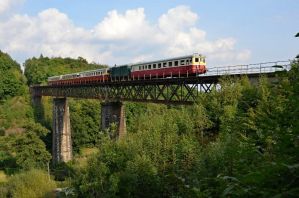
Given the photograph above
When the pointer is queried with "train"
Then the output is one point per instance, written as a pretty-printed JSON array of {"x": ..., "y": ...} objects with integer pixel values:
[{"x": 184, "y": 66}]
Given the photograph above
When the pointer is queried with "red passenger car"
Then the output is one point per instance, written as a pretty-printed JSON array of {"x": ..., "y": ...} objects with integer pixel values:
[
  {"x": 175, "y": 67},
  {"x": 87, "y": 77}
]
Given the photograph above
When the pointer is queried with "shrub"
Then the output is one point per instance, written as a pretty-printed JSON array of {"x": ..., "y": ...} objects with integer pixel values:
[{"x": 34, "y": 183}]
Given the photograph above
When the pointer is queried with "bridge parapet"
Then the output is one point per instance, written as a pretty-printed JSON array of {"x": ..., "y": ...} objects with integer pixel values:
[{"x": 258, "y": 68}]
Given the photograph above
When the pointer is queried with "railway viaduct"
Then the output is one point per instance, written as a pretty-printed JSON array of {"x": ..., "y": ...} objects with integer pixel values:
[{"x": 115, "y": 92}]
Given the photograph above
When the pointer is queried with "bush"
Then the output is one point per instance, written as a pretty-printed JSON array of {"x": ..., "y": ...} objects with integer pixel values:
[{"x": 34, "y": 183}]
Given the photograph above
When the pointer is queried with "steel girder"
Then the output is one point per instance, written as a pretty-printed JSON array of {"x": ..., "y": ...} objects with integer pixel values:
[
  {"x": 170, "y": 91},
  {"x": 167, "y": 90}
]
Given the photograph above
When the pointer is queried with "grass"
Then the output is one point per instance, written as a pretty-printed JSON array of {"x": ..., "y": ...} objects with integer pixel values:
[
  {"x": 82, "y": 158},
  {"x": 3, "y": 177},
  {"x": 85, "y": 152}
]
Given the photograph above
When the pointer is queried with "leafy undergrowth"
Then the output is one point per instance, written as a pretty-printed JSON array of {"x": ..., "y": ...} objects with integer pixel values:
[
  {"x": 3, "y": 177},
  {"x": 14, "y": 113},
  {"x": 81, "y": 159},
  {"x": 33, "y": 183}
]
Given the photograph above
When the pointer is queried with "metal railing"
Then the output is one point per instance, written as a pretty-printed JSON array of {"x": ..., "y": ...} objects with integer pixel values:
[{"x": 259, "y": 68}]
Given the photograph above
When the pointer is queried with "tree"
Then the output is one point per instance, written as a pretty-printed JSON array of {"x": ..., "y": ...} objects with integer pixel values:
[
  {"x": 11, "y": 81},
  {"x": 85, "y": 120},
  {"x": 31, "y": 152},
  {"x": 30, "y": 149}
]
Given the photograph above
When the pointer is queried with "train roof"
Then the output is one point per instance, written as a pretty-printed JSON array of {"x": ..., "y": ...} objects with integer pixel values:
[
  {"x": 167, "y": 59},
  {"x": 159, "y": 60},
  {"x": 94, "y": 70}
]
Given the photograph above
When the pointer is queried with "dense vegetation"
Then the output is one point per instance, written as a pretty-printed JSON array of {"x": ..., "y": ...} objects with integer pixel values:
[
  {"x": 11, "y": 80},
  {"x": 33, "y": 184},
  {"x": 239, "y": 141},
  {"x": 25, "y": 141}
]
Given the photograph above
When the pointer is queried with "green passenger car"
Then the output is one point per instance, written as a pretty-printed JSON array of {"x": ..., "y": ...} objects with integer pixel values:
[{"x": 123, "y": 71}]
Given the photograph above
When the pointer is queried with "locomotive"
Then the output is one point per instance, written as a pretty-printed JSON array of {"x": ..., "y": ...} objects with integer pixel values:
[{"x": 185, "y": 66}]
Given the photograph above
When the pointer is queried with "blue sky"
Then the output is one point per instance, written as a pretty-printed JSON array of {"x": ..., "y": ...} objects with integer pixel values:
[{"x": 116, "y": 32}]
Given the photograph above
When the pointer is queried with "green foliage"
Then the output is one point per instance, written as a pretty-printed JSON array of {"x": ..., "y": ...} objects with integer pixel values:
[
  {"x": 85, "y": 121},
  {"x": 14, "y": 107},
  {"x": 14, "y": 113},
  {"x": 37, "y": 70},
  {"x": 7, "y": 63},
  {"x": 11, "y": 81},
  {"x": 157, "y": 160},
  {"x": 31, "y": 184},
  {"x": 31, "y": 151},
  {"x": 24, "y": 151}
]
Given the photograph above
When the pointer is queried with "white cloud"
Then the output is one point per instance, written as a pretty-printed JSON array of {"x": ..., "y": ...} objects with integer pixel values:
[
  {"x": 119, "y": 38},
  {"x": 51, "y": 33},
  {"x": 6, "y": 5},
  {"x": 177, "y": 19},
  {"x": 132, "y": 25}
]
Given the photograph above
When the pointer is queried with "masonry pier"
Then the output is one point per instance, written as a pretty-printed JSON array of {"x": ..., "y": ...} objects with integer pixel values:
[
  {"x": 62, "y": 142},
  {"x": 114, "y": 112}
]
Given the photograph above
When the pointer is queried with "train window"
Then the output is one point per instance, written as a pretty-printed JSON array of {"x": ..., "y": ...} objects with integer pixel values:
[
  {"x": 149, "y": 66},
  {"x": 164, "y": 64},
  {"x": 203, "y": 59},
  {"x": 196, "y": 60},
  {"x": 159, "y": 65},
  {"x": 145, "y": 66},
  {"x": 176, "y": 63},
  {"x": 170, "y": 64},
  {"x": 139, "y": 67},
  {"x": 154, "y": 66},
  {"x": 187, "y": 62},
  {"x": 182, "y": 62}
]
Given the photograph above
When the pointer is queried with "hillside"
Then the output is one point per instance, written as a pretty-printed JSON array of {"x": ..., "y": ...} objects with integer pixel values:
[{"x": 15, "y": 107}]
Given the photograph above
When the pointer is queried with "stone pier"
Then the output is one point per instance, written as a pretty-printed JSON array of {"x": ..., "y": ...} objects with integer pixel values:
[
  {"x": 114, "y": 112},
  {"x": 62, "y": 142}
]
